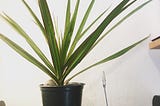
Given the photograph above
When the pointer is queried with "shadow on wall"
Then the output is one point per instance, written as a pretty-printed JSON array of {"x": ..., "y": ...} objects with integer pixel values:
[{"x": 155, "y": 56}]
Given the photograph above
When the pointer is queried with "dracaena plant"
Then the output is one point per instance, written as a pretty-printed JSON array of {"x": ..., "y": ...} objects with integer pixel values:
[{"x": 64, "y": 51}]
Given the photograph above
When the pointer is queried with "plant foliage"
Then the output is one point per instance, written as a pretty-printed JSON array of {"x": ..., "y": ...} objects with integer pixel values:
[{"x": 65, "y": 53}]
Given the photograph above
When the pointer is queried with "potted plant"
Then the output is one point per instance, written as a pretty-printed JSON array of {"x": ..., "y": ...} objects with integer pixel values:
[{"x": 64, "y": 51}]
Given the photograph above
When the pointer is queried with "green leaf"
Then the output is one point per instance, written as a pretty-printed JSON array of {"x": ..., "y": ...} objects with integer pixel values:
[
  {"x": 66, "y": 30},
  {"x": 17, "y": 28},
  {"x": 83, "y": 33},
  {"x": 68, "y": 16},
  {"x": 27, "y": 56},
  {"x": 78, "y": 35},
  {"x": 94, "y": 22},
  {"x": 114, "y": 56},
  {"x": 119, "y": 22},
  {"x": 64, "y": 53},
  {"x": 48, "y": 25},
  {"x": 69, "y": 32},
  {"x": 36, "y": 20},
  {"x": 85, "y": 47},
  {"x": 57, "y": 32}
]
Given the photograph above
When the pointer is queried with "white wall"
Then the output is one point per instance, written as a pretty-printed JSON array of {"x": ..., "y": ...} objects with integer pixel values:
[{"x": 132, "y": 80}]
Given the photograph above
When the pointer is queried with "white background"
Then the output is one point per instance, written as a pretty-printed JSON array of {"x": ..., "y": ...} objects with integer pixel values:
[{"x": 132, "y": 80}]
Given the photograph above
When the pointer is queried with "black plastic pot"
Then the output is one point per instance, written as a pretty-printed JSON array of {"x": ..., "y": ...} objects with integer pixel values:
[{"x": 68, "y": 95}]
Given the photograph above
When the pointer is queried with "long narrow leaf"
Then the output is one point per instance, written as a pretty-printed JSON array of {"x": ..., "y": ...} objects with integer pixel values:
[
  {"x": 119, "y": 22},
  {"x": 68, "y": 16},
  {"x": 48, "y": 24},
  {"x": 36, "y": 19},
  {"x": 27, "y": 56},
  {"x": 66, "y": 30},
  {"x": 66, "y": 55},
  {"x": 94, "y": 22},
  {"x": 57, "y": 32},
  {"x": 114, "y": 56},
  {"x": 84, "y": 48},
  {"x": 69, "y": 33},
  {"x": 83, "y": 33},
  {"x": 78, "y": 35},
  {"x": 29, "y": 41}
]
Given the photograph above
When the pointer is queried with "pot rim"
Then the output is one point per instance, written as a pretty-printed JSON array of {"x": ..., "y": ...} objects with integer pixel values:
[{"x": 72, "y": 84}]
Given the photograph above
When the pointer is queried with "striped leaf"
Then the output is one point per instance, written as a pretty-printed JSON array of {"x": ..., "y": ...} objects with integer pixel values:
[
  {"x": 36, "y": 19},
  {"x": 84, "y": 48},
  {"x": 69, "y": 32},
  {"x": 80, "y": 29},
  {"x": 17, "y": 27},
  {"x": 48, "y": 25},
  {"x": 119, "y": 22},
  {"x": 27, "y": 56},
  {"x": 64, "y": 53},
  {"x": 109, "y": 58}
]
